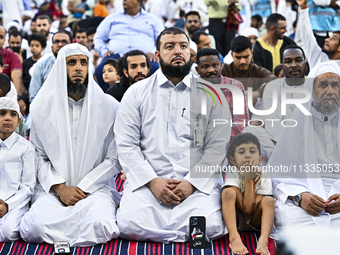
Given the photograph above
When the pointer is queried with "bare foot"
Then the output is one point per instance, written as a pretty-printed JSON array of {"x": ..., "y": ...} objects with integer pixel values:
[
  {"x": 237, "y": 246},
  {"x": 262, "y": 247}
]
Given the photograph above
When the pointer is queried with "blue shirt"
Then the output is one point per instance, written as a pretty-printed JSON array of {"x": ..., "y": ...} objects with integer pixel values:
[
  {"x": 126, "y": 33},
  {"x": 40, "y": 73}
]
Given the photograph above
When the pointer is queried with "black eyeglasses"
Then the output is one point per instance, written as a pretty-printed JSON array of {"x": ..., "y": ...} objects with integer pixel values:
[
  {"x": 63, "y": 42},
  {"x": 193, "y": 21}
]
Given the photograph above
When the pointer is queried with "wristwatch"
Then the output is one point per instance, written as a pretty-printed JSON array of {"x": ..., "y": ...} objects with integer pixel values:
[{"x": 297, "y": 199}]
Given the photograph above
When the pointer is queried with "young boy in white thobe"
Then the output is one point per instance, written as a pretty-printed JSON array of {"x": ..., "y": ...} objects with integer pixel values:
[
  {"x": 17, "y": 171},
  {"x": 245, "y": 204}
]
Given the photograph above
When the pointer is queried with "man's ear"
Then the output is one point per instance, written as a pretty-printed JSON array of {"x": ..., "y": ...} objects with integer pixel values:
[
  {"x": 157, "y": 54},
  {"x": 125, "y": 71},
  {"x": 307, "y": 68},
  {"x": 197, "y": 70}
]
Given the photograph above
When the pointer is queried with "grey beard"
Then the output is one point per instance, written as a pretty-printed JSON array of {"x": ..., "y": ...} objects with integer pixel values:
[
  {"x": 325, "y": 109},
  {"x": 76, "y": 88}
]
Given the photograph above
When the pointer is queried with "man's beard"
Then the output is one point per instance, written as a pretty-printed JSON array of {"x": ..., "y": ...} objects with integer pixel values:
[
  {"x": 45, "y": 33},
  {"x": 328, "y": 51},
  {"x": 176, "y": 71},
  {"x": 77, "y": 88},
  {"x": 192, "y": 29},
  {"x": 326, "y": 109},
  {"x": 133, "y": 80}
]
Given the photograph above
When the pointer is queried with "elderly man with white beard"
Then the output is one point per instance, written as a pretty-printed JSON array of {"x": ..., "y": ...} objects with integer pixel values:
[
  {"x": 72, "y": 130},
  {"x": 311, "y": 195}
]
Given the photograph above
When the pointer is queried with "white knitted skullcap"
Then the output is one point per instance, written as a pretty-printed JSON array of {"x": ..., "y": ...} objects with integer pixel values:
[{"x": 8, "y": 103}]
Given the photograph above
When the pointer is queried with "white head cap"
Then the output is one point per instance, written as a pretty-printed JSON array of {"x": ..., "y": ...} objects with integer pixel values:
[
  {"x": 250, "y": 31},
  {"x": 8, "y": 103},
  {"x": 324, "y": 67},
  {"x": 193, "y": 46}
]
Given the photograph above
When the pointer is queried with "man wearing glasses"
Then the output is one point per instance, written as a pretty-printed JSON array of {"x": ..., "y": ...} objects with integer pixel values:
[
  {"x": 193, "y": 24},
  {"x": 43, "y": 67},
  {"x": 268, "y": 49}
]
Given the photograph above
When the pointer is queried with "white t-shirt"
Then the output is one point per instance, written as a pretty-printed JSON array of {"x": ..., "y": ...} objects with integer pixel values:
[{"x": 263, "y": 186}]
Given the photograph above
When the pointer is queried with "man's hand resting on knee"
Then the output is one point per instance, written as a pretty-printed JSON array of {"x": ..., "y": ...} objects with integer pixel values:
[
  {"x": 69, "y": 195},
  {"x": 3, "y": 208},
  {"x": 312, "y": 204},
  {"x": 184, "y": 189},
  {"x": 333, "y": 204},
  {"x": 160, "y": 188}
]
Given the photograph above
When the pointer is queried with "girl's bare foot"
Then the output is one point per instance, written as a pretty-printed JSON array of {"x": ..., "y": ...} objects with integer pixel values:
[{"x": 262, "y": 247}]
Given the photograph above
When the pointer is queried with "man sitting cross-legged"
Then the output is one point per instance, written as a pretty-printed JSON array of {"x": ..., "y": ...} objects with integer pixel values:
[{"x": 72, "y": 129}]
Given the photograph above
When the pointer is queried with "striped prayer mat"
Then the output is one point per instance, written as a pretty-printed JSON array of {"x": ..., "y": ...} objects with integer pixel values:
[{"x": 124, "y": 247}]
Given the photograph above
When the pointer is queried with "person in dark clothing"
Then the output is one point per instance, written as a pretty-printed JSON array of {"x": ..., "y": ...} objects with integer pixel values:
[
  {"x": 268, "y": 49},
  {"x": 133, "y": 66},
  {"x": 37, "y": 43}
]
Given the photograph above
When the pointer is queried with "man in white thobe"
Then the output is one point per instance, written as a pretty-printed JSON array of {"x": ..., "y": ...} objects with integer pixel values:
[
  {"x": 156, "y": 149},
  {"x": 72, "y": 129},
  {"x": 311, "y": 194},
  {"x": 294, "y": 66}
]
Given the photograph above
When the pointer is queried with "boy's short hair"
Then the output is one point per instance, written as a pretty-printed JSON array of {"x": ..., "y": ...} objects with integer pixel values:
[
  {"x": 112, "y": 62},
  {"x": 8, "y": 103},
  {"x": 5, "y": 83},
  {"x": 37, "y": 37},
  {"x": 244, "y": 138}
]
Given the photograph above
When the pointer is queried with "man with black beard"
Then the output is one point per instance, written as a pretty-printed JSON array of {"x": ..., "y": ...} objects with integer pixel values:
[
  {"x": 158, "y": 155},
  {"x": 193, "y": 23},
  {"x": 133, "y": 66},
  {"x": 43, "y": 67},
  {"x": 43, "y": 25},
  {"x": 72, "y": 130}
]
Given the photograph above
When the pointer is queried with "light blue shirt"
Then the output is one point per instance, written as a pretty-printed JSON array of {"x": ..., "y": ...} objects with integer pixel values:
[
  {"x": 154, "y": 134},
  {"x": 40, "y": 73},
  {"x": 126, "y": 33}
]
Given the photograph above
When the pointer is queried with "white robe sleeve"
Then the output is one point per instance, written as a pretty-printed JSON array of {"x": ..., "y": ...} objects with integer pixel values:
[
  {"x": 312, "y": 50},
  {"x": 47, "y": 175},
  {"x": 102, "y": 173},
  {"x": 215, "y": 148},
  {"x": 128, "y": 131},
  {"x": 28, "y": 180}
]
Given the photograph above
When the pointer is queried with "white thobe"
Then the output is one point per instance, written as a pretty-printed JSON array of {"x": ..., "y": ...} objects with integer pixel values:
[
  {"x": 275, "y": 128},
  {"x": 154, "y": 139},
  {"x": 313, "y": 52},
  {"x": 324, "y": 184},
  {"x": 18, "y": 171},
  {"x": 91, "y": 220}
]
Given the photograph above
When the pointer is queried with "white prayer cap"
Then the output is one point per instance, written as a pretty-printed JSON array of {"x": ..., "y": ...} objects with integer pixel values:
[
  {"x": 28, "y": 13},
  {"x": 8, "y": 103},
  {"x": 324, "y": 67},
  {"x": 193, "y": 46},
  {"x": 13, "y": 24},
  {"x": 73, "y": 49},
  {"x": 250, "y": 31}
]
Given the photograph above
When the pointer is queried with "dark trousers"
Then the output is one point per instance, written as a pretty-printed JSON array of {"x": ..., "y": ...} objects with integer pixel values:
[{"x": 223, "y": 36}]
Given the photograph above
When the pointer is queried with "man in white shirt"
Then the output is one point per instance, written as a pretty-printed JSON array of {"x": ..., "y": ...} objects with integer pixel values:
[
  {"x": 158, "y": 154},
  {"x": 295, "y": 67},
  {"x": 309, "y": 194},
  {"x": 72, "y": 129},
  {"x": 315, "y": 55}
]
